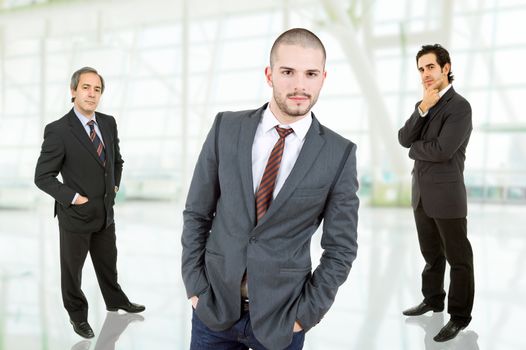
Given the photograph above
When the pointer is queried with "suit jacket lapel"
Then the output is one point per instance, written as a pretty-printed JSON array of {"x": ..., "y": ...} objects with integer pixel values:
[
  {"x": 80, "y": 133},
  {"x": 314, "y": 142},
  {"x": 104, "y": 128},
  {"x": 247, "y": 133},
  {"x": 438, "y": 107}
]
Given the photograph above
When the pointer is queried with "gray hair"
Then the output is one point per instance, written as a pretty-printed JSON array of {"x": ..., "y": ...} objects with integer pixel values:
[{"x": 75, "y": 78}]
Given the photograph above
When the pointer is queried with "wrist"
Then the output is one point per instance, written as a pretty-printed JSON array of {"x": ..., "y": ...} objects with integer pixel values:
[
  {"x": 297, "y": 327},
  {"x": 74, "y": 201}
]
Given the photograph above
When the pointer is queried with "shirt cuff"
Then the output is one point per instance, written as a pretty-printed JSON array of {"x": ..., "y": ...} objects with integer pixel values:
[{"x": 75, "y": 198}]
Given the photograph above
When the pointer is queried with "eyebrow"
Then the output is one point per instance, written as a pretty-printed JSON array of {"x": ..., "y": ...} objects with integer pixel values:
[
  {"x": 427, "y": 65},
  {"x": 96, "y": 86},
  {"x": 308, "y": 70}
]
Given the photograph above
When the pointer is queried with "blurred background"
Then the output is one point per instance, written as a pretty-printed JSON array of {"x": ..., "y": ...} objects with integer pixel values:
[{"x": 171, "y": 65}]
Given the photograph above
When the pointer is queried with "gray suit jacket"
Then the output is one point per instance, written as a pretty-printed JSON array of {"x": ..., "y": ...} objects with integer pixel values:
[
  {"x": 438, "y": 144},
  {"x": 221, "y": 238}
]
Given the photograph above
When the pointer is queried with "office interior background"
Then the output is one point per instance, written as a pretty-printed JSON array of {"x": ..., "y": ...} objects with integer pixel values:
[{"x": 170, "y": 66}]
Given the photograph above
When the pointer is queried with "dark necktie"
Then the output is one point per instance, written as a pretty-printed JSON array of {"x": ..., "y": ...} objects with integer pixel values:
[
  {"x": 268, "y": 181},
  {"x": 99, "y": 147}
]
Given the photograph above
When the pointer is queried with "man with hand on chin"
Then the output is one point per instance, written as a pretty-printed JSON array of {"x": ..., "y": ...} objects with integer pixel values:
[
  {"x": 264, "y": 181},
  {"x": 83, "y": 147},
  {"x": 437, "y": 134}
]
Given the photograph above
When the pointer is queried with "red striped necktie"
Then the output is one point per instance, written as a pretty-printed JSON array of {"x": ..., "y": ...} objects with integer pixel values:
[
  {"x": 99, "y": 146},
  {"x": 268, "y": 181}
]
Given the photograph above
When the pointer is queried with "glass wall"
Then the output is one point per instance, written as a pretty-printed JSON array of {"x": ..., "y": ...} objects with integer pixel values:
[{"x": 171, "y": 66}]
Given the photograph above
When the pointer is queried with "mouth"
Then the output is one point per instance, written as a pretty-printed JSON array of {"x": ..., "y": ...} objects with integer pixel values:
[{"x": 298, "y": 98}]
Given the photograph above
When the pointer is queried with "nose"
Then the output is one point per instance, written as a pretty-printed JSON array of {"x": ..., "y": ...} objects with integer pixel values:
[
  {"x": 425, "y": 74},
  {"x": 299, "y": 83}
]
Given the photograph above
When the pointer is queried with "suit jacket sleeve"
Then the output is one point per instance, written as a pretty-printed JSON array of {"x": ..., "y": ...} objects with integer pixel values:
[
  {"x": 339, "y": 242},
  {"x": 410, "y": 132},
  {"x": 455, "y": 129},
  {"x": 198, "y": 215},
  {"x": 49, "y": 165},
  {"x": 118, "y": 158}
]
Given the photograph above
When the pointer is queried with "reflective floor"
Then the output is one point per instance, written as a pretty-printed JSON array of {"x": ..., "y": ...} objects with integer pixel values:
[{"x": 366, "y": 315}]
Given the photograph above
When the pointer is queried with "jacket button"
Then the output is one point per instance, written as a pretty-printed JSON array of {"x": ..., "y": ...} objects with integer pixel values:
[
  {"x": 253, "y": 239},
  {"x": 105, "y": 195}
]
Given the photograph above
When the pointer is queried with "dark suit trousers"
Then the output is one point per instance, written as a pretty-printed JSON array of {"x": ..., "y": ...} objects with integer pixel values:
[
  {"x": 74, "y": 248},
  {"x": 444, "y": 240}
]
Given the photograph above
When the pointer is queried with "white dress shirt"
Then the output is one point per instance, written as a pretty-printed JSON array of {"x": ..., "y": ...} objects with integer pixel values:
[
  {"x": 265, "y": 139},
  {"x": 440, "y": 94}
]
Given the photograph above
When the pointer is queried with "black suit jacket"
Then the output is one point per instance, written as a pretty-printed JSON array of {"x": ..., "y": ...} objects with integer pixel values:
[
  {"x": 438, "y": 144},
  {"x": 68, "y": 150}
]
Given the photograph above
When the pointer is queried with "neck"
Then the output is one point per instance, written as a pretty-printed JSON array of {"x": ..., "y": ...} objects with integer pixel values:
[
  {"x": 443, "y": 88},
  {"x": 84, "y": 113}
]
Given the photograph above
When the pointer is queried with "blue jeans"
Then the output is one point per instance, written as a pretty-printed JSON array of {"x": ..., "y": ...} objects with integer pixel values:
[{"x": 238, "y": 337}]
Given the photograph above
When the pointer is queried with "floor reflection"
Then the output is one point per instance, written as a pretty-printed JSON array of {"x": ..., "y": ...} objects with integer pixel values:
[
  {"x": 114, "y": 325},
  {"x": 466, "y": 340},
  {"x": 366, "y": 315},
  {"x": 82, "y": 345}
]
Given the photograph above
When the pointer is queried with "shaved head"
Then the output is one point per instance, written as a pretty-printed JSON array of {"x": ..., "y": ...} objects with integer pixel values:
[{"x": 297, "y": 36}]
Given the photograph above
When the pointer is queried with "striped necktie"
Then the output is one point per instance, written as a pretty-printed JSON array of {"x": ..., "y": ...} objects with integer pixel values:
[
  {"x": 99, "y": 146},
  {"x": 268, "y": 181}
]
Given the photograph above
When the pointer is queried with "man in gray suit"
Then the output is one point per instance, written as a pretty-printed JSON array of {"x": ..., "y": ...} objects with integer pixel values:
[
  {"x": 437, "y": 134},
  {"x": 263, "y": 183}
]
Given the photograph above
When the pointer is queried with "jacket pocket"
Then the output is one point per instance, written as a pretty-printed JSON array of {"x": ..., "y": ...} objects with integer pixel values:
[
  {"x": 298, "y": 270},
  {"x": 213, "y": 254},
  {"x": 309, "y": 192},
  {"x": 84, "y": 212},
  {"x": 445, "y": 177}
]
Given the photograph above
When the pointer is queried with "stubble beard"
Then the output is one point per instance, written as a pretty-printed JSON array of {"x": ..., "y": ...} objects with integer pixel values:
[{"x": 295, "y": 111}]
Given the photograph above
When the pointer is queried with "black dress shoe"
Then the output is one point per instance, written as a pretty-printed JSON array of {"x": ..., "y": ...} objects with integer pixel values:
[
  {"x": 421, "y": 309},
  {"x": 130, "y": 307},
  {"x": 449, "y": 331},
  {"x": 83, "y": 329}
]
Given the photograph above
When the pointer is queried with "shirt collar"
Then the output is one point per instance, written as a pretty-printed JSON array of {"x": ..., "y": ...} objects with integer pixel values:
[
  {"x": 83, "y": 119},
  {"x": 301, "y": 127},
  {"x": 444, "y": 90}
]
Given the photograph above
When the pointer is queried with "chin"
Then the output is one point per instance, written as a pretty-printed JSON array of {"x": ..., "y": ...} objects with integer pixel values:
[
  {"x": 296, "y": 114},
  {"x": 298, "y": 111}
]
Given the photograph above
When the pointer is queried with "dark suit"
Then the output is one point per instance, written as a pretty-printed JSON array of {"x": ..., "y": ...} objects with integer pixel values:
[
  {"x": 68, "y": 150},
  {"x": 437, "y": 143},
  {"x": 221, "y": 239}
]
